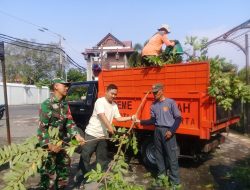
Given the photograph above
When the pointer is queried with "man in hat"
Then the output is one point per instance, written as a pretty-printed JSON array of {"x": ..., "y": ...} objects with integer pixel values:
[
  {"x": 55, "y": 112},
  {"x": 166, "y": 117},
  {"x": 154, "y": 45}
]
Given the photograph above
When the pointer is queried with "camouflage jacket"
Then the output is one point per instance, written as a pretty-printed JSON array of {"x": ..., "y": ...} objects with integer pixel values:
[{"x": 55, "y": 113}]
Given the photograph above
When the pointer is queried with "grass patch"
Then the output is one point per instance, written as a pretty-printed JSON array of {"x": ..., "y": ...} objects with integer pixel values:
[{"x": 242, "y": 173}]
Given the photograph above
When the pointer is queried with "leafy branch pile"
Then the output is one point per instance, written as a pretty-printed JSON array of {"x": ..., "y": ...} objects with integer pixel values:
[
  {"x": 164, "y": 59},
  {"x": 26, "y": 159},
  {"x": 114, "y": 177},
  {"x": 169, "y": 56}
]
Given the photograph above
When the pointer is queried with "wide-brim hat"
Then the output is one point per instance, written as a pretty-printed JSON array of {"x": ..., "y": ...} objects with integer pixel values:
[{"x": 166, "y": 27}]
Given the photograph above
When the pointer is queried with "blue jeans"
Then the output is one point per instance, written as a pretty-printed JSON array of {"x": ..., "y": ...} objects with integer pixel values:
[{"x": 166, "y": 154}]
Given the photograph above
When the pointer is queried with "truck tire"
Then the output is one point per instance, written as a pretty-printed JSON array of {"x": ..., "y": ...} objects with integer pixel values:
[{"x": 148, "y": 153}]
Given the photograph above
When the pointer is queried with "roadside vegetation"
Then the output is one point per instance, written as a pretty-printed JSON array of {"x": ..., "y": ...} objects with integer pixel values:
[
  {"x": 241, "y": 173},
  {"x": 32, "y": 67}
]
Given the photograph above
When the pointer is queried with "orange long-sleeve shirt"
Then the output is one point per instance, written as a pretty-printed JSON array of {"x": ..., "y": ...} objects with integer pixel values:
[{"x": 154, "y": 45}]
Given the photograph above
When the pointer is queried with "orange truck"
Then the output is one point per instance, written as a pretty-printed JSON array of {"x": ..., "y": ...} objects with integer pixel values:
[{"x": 203, "y": 120}]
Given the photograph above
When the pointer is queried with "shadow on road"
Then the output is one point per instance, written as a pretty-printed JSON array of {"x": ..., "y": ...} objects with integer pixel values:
[
  {"x": 233, "y": 177},
  {"x": 195, "y": 163}
]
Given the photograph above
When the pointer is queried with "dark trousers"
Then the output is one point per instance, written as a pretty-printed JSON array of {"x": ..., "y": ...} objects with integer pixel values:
[
  {"x": 166, "y": 154},
  {"x": 98, "y": 146}
]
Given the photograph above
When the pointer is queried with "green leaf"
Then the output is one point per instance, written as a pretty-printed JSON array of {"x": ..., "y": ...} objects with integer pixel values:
[
  {"x": 98, "y": 168},
  {"x": 21, "y": 186},
  {"x": 2, "y": 153},
  {"x": 74, "y": 142},
  {"x": 16, "y": 158},
  {"x": 70, "y": 150},
  {"x": 15, "y": 148},
  {"x": 6, "y": 150}
]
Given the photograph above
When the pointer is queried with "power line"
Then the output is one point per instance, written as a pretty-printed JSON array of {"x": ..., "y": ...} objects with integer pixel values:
[
  {"x": 25, "y": 42},
  {"x": 40, "y": 28},
  {"x": 20, "y": 19},
  {"x": 68, "y": 57},
  {"x": 76, "y": 51},
  {"x": 23, "y": 46},
  {"x": 37, "y": 47}
]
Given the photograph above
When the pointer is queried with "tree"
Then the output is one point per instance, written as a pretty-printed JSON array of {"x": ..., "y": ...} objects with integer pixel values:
[
  {"x": 225, "y": 85},
  {"x": 29, "y": 66},
  {"x": 135, "y": 58},
  {"x": 138, "y": 47},
  {"x": 12, "y": 72},
  {"x": 197, "y": 48},
  {"x": 75, "y": 75},
  {"x": 242, "y": 74}
]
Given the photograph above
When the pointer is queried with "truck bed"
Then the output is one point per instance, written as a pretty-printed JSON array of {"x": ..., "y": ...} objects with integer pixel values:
[{"x": 186, "y": 83}]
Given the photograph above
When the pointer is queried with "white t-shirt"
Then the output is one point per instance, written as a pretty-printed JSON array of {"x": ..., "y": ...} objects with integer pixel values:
[{"x": 95, "y": 127}]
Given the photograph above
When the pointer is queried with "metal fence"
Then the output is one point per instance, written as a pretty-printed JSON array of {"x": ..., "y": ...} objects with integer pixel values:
[{"x": 20, "y": 94}]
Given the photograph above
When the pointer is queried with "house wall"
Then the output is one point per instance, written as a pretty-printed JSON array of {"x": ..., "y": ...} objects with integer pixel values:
[{"x": 104, "y": 53}]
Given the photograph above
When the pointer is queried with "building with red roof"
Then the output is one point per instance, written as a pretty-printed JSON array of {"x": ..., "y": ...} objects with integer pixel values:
[{"x": 109, "y": 53}]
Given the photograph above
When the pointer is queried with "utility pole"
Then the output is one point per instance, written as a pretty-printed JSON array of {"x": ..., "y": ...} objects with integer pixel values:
[
  {"x": 61, "y": 65},
  {"x": 2, "y": 60},
  {"x": 247, "y": 58},
  {"x": 247, "y": 82},
  {"x": 60, "y": 55}
]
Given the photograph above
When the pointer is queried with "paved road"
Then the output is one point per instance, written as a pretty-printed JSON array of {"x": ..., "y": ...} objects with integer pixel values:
[
  {"x": 23, "y": 122},
  {"x": 207, "y": 175}
]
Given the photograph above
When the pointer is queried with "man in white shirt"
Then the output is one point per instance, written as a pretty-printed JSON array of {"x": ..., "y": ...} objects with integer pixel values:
[{"x": 100, "y": 125}]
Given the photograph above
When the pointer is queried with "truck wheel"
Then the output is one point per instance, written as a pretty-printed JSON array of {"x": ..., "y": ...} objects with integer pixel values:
[
  {"x": 148, "y": 153},
  {"x": 1, "y": 114}
]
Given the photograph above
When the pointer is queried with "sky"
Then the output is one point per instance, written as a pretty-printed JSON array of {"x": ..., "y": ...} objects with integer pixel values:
[{"x": 83, "y": 23}]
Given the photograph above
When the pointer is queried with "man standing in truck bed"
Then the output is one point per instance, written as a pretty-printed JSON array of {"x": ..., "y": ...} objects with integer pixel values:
[
  {"x": 166, "y": 117},
  {"x": 154, "y": 45}
]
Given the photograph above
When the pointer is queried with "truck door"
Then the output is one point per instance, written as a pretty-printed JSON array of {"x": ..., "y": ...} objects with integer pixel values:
[{"x": 81, "y": 99}]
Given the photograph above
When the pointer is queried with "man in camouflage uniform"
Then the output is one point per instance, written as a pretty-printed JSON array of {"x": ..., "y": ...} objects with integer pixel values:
[{"x": 55, "y": 112}]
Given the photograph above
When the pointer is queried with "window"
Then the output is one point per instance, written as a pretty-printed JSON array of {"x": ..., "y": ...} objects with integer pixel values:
[
  {"x": 77, "y": 93},
  {"x": 117, "y": 56}
]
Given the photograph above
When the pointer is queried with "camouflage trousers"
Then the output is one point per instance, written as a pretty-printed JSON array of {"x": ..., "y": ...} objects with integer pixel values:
[{"x": 55, "y": 171}]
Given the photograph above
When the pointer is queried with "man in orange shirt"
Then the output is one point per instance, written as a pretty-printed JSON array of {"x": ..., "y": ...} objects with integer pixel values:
[{"x": 154, "y": 45}]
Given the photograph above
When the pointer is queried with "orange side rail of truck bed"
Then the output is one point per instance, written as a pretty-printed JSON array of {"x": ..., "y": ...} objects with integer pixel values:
[{"x": 186, "y": 83}]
